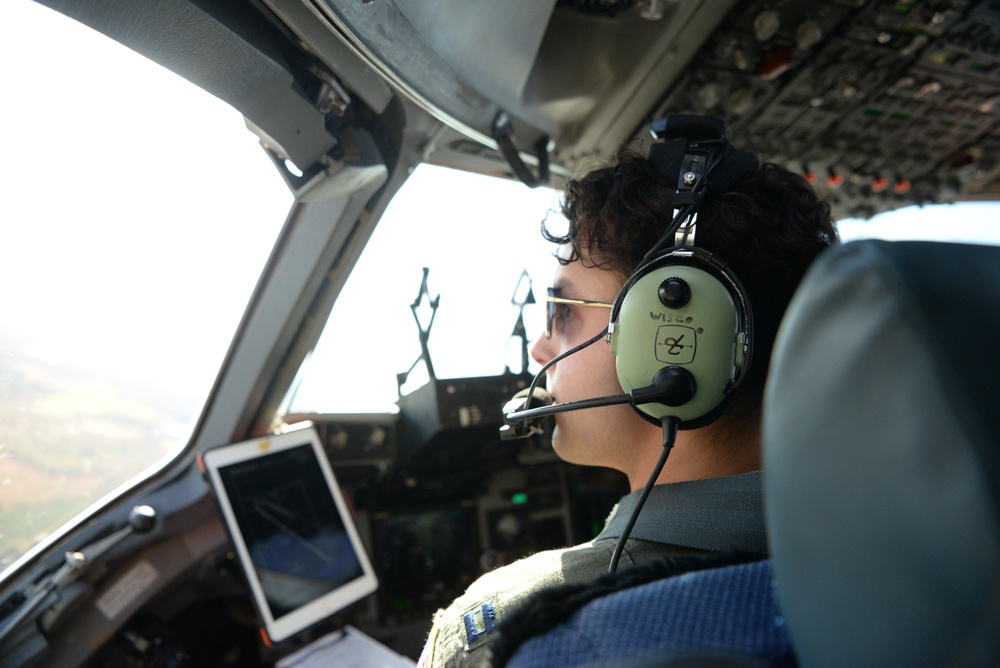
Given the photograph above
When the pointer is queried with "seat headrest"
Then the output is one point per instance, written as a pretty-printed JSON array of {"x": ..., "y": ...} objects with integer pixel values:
[{"x": 881, "y": 450}]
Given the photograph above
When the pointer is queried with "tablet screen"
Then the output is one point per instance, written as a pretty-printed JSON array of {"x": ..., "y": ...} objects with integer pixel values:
[{"x": 290, "y": 525}]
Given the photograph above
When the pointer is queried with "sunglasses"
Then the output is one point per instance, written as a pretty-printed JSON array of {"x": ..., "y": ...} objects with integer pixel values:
[{"x": 552, "y": 303}]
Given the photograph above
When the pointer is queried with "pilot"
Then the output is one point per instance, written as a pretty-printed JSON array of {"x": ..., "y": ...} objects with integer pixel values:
[{"x": 707, "y": 499}]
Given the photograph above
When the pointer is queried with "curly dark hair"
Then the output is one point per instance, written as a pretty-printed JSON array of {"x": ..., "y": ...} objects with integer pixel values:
[{"x": 769, "y": 229}]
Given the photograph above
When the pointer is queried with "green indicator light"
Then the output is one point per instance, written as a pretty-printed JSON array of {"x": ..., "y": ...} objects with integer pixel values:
[
  {"x": 519, "y": 499},
  {"x": 872, "y": 111}
]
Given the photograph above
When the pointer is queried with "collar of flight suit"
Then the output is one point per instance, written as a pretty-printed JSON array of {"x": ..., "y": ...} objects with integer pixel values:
[{"x": 718, "y": 514}]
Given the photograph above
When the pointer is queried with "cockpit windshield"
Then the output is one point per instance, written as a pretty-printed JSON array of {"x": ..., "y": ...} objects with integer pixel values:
[
  {"x": 480, "y": 240},
  {"x": 130, "y": 251}
]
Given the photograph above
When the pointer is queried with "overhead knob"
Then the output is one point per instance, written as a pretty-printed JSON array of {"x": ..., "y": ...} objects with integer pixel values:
[{"x": 674, "y": 292}]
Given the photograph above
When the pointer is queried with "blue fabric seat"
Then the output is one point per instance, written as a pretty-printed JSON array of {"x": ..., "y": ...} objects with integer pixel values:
[{"x": 717, "y": 613}]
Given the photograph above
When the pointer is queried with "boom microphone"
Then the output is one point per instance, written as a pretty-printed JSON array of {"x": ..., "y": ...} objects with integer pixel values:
[
  {"x": 672, "y": 386},
  {"x": 527, "y": 400}
]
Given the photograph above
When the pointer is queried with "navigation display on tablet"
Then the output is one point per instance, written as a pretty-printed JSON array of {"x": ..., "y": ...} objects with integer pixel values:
[{"x": 291, "y": 527}]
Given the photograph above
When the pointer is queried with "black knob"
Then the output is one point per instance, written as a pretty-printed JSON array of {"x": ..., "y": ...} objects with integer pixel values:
[
  {"x": 142, "y": 518},
  {"x": 674, "y": 292}
]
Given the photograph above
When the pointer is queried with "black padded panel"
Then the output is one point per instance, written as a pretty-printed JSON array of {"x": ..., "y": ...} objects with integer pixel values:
[
  {"x": 953, "y": 291},
  {"x": 232, "y": 55},
  {"x": 879, "y": 457}
]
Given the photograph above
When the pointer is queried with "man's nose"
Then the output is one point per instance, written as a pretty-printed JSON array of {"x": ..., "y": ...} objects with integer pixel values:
[{"x": 541, "y": 350}]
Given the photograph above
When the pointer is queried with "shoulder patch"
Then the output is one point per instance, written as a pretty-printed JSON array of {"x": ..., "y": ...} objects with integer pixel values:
[{"x": 480, "y": 621}]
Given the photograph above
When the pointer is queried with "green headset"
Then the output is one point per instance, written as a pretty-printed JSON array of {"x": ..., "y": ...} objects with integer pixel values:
[{"x": 681, "y": 327}]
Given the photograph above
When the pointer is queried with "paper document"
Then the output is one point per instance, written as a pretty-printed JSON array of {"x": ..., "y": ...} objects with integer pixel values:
[{"x": 349, "y": 648}]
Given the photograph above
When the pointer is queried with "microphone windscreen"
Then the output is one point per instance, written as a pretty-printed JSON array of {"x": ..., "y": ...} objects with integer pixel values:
[
  {"x": 518, "y": 403},
  {"x": 540, "y": 397}
]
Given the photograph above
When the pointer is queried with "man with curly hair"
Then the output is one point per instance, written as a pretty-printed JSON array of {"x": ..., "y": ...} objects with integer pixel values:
[{"x": 706, "y": 500}]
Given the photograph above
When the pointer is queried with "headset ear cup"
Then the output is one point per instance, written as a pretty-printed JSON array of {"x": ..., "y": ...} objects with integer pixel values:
[{"x": 682, "y": 309}]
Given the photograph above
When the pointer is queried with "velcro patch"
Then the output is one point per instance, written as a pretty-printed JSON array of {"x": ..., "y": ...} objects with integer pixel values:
[{"x": 480, "y": 621}]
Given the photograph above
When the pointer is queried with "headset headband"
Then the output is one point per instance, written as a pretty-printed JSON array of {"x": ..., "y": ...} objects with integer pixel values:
[
  {"x": 694, "y": 152},
  {"x": 698, "y": 146}
]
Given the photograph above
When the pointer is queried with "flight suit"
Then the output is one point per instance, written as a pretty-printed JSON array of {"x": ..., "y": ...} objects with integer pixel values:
[{"x": 714, "y": 515}]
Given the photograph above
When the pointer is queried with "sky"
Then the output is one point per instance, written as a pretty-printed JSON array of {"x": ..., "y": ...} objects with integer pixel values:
[
  {"x": 123, "y": 221},
  {"x": 180, "y": 194},
  {"x": 969, "y": 222}
]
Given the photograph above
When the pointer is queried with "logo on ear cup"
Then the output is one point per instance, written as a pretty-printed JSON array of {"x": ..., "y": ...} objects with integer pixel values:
[{"x": 676, "y": 344}]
